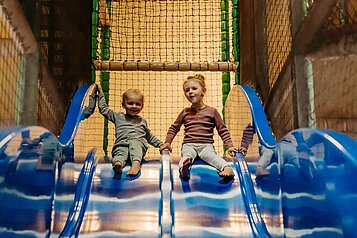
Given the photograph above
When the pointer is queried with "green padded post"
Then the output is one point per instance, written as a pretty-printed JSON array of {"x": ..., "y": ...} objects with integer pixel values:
[
  {"x": 105, "y": 76},
  {"x": 236, "y": 42},
  {"x": 226, "y": 87},
  {"x": 224, "y": 5},
  {"x": 94, "y": 44}
]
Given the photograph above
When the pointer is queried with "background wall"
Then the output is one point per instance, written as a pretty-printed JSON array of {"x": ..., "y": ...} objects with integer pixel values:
[
  {"x": 299, "y": 56},
  {"x": 51, "y": 43}
]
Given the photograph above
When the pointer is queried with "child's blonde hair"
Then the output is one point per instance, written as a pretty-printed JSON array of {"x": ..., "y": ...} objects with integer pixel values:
[
  {"x": 198, "y": 78},
  {"x": 124, "y": 97}
]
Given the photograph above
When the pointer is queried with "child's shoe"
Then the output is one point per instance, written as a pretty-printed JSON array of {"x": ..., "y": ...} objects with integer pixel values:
[{"x": 261, "y": 172}]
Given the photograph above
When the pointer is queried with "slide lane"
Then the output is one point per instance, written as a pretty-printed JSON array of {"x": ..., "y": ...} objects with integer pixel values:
[
  {"x": 206, "y": 207},
  {"x": 125, "y": 207},
  {"x": 133, "y": 207}
]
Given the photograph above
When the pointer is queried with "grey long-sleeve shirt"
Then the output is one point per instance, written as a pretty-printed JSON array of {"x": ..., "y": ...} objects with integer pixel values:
[{"x": 128, "y": 127}]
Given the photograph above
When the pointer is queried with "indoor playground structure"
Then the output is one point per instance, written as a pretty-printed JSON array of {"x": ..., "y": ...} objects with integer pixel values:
[{"x": 63, "y": 186}]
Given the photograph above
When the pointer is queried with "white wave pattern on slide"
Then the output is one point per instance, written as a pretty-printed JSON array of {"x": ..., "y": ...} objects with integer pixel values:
[
  {"x": 114, "y": 200},
  {"x": 301, "y": 195},
  {"x": 303, "y": 232},
  {"x": 26, "y": 233},
  {"x": 14, "y": 192},
  {"x": 231, "y": 194},
  {"x": 195, "y": 231}
]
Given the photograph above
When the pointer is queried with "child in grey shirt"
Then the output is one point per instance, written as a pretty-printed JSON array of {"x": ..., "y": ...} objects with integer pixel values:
[{"x": 132, "y": 134}]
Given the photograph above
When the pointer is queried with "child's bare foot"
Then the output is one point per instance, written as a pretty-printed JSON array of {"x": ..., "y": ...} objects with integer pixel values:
[
  {"x": 227, "y": 172},
  {"x": 185, "y": 170},
  {"x": 135, "y": 169},
  {"x": 118, "y": 167},
  {"x": 261, "y": 171}
]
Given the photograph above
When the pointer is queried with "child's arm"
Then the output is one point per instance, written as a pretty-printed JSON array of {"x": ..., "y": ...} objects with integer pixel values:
[
  {"x": 173, "y": 130},
  {"x": 224, "y": 133},
  {"x": 247, "y": 138},
  {"x": 103, "y": 107},
  {"x": 99, "y": 89},
  {"x": 152, "y": 139}
]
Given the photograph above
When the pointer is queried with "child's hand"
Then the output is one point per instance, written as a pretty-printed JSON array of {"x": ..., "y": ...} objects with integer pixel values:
[
  {"x": 95, "y": 89},
  {"x": 231, "y": 150},
  {"x": 165, "y": 146},
  {"x": 243, "y": 150},
  {"x": 99, "y": 87}
]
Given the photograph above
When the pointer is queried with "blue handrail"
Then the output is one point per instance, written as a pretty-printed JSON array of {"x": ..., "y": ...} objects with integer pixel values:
[
  {"x": 74, "y": 116},
  {"x": 166, "y": 187},
  {"x": 261, "y": 124},
  {"x": 267, "y": 139},
  {"x": 249, "y": 198},
  {"x": 81, "y": 196}
]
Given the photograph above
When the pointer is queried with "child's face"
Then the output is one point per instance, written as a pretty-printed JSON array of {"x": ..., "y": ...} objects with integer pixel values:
[
  {"x": 133, "y": 104},
  {"x": 193, "y": 91}
]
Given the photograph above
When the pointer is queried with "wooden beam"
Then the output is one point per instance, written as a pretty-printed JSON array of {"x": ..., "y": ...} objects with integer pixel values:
[
  {"x": 164, "y": 66},
  {"x": 20, "y": 23},
  {"x": 317, "y": 16}
]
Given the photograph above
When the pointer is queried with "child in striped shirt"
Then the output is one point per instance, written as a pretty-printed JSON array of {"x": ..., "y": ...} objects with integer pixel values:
[{"x": 199, "y": 121}]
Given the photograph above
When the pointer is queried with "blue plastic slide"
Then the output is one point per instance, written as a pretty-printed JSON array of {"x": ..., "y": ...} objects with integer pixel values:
[{"x": 310, "y": 191}]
